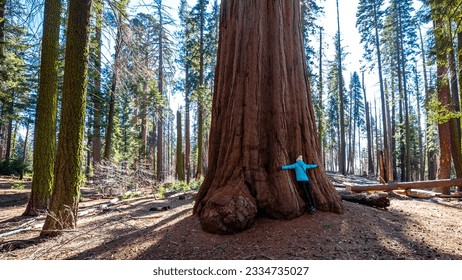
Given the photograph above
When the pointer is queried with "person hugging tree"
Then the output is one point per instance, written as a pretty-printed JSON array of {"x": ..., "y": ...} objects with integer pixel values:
[{"x": 303, "y": 181}]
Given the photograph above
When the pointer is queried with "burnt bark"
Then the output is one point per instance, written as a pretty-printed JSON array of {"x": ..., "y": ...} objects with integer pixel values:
[
  {"x": 262, "y": 118},
  {"x": 378, "y": 200}
]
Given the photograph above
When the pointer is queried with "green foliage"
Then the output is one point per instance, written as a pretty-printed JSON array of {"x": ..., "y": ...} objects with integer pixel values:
[
  {"x": 439, "y": 113},
  {"x": 357, "y": 100},
  {"x": 311, "y": 12},
  {"x": 13, "y": 167},
  {"x": 179, "y": 186},
  {"x": 368, "y": 19},
  {"x": 130, "y": 194},
  {"x": 161, "y": 191},
  {"x": 196, "y": 184},
  {"x": 18, "y": 186}
]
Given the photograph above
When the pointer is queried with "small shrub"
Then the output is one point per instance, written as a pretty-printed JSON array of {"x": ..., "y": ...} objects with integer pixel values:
[
  {"x": 18, "y": 186},
  {"x": 161, "y": 191},
  {"x": 130, "y": 194},
  {"x": 196, "y": 184}
]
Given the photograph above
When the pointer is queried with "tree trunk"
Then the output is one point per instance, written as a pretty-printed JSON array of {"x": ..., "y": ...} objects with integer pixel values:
[
  {"x": 114, "y": 80},
  {"x": 179, "y": 148},
  {"x": 97, "y": 96},
  {"x": 444, "y": 170},
  {"x": 342, "y": 165},
  {"x": 386, "y": 148},
  {"x": 401, "y": 140},
  {"x": 200, "y": 109},
  {"x": 459, "y": 60},
  {"x": 10, "y": 128},
  {"x": 47, "y": 106},
  {"x": 406, "y": 165},
  {"x": 350, "y": 136},
  {"x": 187, "y": 124},
  {"x": 160, "y": 114},
  {"x": 454, "y": 105},
  {"x": 24, "y": 148},
  {"x": 320, "y": 104},
  {"x": 2, "y": 29},
  {"x": 421, "y": 170},
  {"x": 373, "y": 200},
  {"x": 144, "y": 120},
  {"x": 370, "y": 161},
  {"x": 68, "y": 173},
  {"x": 446, "y": 183},
  {"x": 262, "y": 118},
  {"x": 431, "y": 164}
]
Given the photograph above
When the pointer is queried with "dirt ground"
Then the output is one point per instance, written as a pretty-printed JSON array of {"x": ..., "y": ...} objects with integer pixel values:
[{"x": 408, "y": 229}]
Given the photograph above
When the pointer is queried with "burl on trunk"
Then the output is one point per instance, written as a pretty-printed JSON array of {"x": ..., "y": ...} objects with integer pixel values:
[{"x": 262, "y": 118}]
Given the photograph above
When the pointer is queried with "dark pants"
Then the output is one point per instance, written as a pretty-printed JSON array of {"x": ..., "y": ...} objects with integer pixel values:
[{"x": 308, "y": 194}]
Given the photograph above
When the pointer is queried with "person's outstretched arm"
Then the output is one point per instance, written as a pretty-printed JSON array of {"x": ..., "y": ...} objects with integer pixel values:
[
  {"x": 311, "y": 166},
  {"x": 290, "y": 166}
]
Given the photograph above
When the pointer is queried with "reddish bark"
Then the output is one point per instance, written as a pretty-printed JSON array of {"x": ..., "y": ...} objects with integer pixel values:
[
  {"x": 262, "y": 118},
  {"x": 444, "y": 96}
]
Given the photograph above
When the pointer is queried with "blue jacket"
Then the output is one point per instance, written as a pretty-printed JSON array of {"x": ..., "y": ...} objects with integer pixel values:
[{"x": 300, "y": 170}]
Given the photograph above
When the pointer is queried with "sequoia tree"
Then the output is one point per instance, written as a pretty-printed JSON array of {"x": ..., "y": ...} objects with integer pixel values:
[
  {"x": 68, "y": 175},
  {"x": 262, "y": 118}
]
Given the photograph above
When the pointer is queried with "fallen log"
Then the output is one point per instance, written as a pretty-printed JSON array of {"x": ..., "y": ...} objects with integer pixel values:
[
  {"x": 426, "y": 194},
  {"x": 442, "y": 183},
  {"x": 378, "y": 200},
  {"x": 421, "y": 193}
]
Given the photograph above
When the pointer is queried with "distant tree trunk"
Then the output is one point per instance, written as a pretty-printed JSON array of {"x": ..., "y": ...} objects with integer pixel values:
[
  {"x": 262, "y": 118},
  {"x": 160, "y": 114},
  {"x": 114, "y": 81},
  {"x": 96, "y": 98},
  {"x": 200, "y": 109},
  {"x": 421, "y": 170},
  {"x": 144, "y": 121},
  {"x": 24, "y": 149},
  {"x": 350, "y": 136},
  {"x": 9, "y": 130},
  {"x": 459, "y": 60},
  {"x": 342, "y": 155},
  {"x": 431, "y": 164},
  {"x": 47, "y": 106},
  {"x": 187, "y": 124},
  {"x": 26, "y": 139},
  {"x": 68, "y": 171},
  {"x": 406, "y": 164},
  {"x": 370, "y": 161},
  {"x": 89, "y": 144},
  {"x": 179, "y": 148},
  {"x": 388, "y": 153}
]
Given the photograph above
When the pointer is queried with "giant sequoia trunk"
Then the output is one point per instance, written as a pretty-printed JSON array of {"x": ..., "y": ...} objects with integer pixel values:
[{"x": 262, "y": 118}]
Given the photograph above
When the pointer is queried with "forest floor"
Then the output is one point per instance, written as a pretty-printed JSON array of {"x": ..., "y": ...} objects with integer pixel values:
[{"x": 409, "y": 229}]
